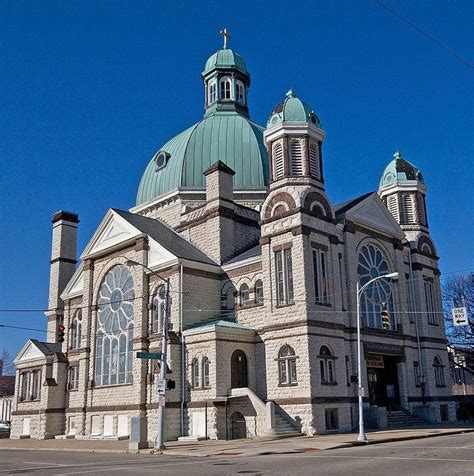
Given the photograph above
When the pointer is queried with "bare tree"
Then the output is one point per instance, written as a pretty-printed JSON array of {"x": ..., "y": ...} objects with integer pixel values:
[
  {"x": 458, "y": 291},
  {"x": 8, "y": 365}
]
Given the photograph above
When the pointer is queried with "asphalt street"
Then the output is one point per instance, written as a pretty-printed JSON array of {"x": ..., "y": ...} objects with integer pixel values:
[{"x": 447, "y": 455}]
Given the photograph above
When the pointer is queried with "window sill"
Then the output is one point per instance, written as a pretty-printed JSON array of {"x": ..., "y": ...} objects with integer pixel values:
[
  {"x": 128, "y": 384},
  {"x": 323, "y": 304},
  {"x": 278, "y": 306},
  {"x": 200, "y": 389},
  {"x": 295, "y": 384},
  {"x": 72, "y": 390},
  {"x": 250, "y": 305}
]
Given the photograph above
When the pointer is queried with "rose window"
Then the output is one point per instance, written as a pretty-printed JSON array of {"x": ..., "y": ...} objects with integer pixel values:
[
  {"x": 114, "y": 336},
  {"x": 372, "y": 264}
]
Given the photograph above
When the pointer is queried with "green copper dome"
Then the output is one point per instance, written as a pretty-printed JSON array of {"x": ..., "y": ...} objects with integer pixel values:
[
  {"x": 400, "y": 170},
  {"x": 293, "y": 109},
  {"x": 225, "y": 59},
  {"x": 226, "y": 136}
]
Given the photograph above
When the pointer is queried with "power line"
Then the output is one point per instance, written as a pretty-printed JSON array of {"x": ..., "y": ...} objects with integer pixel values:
[
  {"x": 425, "y": 34},
  {"x": 330, "y": 295}
]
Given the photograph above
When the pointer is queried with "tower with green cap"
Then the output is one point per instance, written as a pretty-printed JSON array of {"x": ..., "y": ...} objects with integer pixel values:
[{"x": 294, "y": 140}]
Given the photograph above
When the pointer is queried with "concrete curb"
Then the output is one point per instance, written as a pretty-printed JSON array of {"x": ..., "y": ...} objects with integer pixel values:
[{"x": 412, "y": 437}]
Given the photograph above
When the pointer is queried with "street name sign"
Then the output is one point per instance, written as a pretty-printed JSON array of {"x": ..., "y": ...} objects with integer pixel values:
[
  {"x": 460, "y": 316},
  {"x": 149, "y": 355},
  {"x": 161, "y": 386}
]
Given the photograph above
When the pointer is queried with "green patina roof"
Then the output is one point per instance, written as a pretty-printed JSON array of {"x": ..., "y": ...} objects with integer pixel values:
[
  {"x": 226, "y": 136},
  {"x": 400, "y": 170},
  {"x": 293, "y": 109},
  {"x": 225, "y": 58}
]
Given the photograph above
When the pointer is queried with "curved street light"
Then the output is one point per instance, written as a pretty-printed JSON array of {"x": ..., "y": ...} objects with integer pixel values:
[{"x": 360, "y": 289}]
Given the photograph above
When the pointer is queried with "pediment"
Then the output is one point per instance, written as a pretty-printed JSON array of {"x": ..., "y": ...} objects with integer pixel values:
[
  {"x": 372, "y": 213},
  {"x": 112, "y": 231},
  {"x": 28, "y": 353}
]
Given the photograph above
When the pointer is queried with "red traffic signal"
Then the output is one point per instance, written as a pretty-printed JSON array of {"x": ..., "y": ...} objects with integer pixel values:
[{"x": 61, "y": 330}]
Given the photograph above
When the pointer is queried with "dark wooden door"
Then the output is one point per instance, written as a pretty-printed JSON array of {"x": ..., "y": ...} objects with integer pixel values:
[
  {"x": 239, "y": 428},
  {"x": 239, "y": 372}
]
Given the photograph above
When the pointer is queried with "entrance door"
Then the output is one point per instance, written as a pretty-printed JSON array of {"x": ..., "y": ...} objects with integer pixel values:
[
  {"x": 239, "y": 373},
  {"x": 239, "y": 428},
  {"x": 382, "y": 380}
]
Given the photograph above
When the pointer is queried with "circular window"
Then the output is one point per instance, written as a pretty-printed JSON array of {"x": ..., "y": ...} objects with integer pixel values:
[
  {"x": 161, "y": 159},
  {"x": 115, "y": 306},
  {"x": 275, "y": 119},
  {"x": 313, "y": 119}
]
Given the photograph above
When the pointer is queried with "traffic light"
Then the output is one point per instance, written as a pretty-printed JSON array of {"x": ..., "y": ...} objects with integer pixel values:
[
  {"x": 61, "y": 330},
  {"x": 170, "y": 384},
  {"x": 385, "y": 318}
]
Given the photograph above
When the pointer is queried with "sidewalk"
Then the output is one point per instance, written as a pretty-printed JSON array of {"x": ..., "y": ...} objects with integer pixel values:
[{"x": 253, "y": 447}]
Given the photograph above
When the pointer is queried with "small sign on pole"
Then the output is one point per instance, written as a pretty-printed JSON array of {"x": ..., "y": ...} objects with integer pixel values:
[
  {"x": 460, "y": 316},
  {"x": 149, "y": 355},
  {"x": 160, "y": 386},
  {"x": 161, "y": 401},
  {"x": 361, "y": 392}
]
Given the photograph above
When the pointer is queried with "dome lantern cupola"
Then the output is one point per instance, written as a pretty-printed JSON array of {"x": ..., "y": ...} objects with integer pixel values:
[
  {"x": 403, "y": 190},
  {"x": 226, "y": 81}
]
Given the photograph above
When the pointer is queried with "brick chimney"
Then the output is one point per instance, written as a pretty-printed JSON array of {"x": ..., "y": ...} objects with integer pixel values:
[
  {"x": 219, "y": 178},
  {"x": 63, "y": 264}
]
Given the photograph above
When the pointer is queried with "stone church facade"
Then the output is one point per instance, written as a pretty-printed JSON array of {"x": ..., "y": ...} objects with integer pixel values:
[{"x": 263, "y": 270}]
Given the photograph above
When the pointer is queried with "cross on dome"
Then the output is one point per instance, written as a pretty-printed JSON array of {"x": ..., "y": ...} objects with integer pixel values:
[{"x": 226, "y": 36}]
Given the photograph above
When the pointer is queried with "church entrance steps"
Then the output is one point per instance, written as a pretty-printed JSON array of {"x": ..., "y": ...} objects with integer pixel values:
[
  {"x": 274, "y": 423},
  {"x": 401, "y": 419}
]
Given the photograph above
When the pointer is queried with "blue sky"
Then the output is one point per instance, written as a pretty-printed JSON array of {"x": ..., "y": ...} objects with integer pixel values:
[{"x": 91, "y": 89}]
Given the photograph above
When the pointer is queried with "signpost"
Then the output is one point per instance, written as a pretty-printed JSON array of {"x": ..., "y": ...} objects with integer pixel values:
[
  {"x": 160, "y": 386},
  {"x": 460, "y": 316},
  {"x": 149, "y": 355}
]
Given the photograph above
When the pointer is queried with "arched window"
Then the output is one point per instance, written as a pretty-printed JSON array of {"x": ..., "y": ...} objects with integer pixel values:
[
  {"x": 158, "y": 311},
  {"x": 76, "y": 337},
  {"x": 212, "y": 93},
  {"x": 244, "y": 295},
  {"x": 205, "y": 373},
  {"x": 258, "y": 291},
  {"x": 318, "y": 210},
  {"x": 195, "y": 373},
  {"x": 287, "y": 366},
  {"x": 372, "y": 263},
  {"x": 279, "y": 210},
  {"x": 225, "y": 88},
  {"x": 228, "y": 297},
  {"x": 114, "y": 335},
  {"x": 327, "y": 365},
  {"x": 278, "y": 161},
  {"x": 296, "y": 157},
  {"x": 438, "y": 369},
  {"x": 240, "y": 93}
]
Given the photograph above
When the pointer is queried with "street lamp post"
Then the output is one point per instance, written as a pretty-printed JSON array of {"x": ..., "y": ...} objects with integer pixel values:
[
  {"x": 360, "y": 289},
  {"x": 160, "y": 432}
]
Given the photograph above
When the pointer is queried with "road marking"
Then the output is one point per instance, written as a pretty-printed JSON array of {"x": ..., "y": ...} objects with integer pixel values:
[
  {"x": 47, "y": 464},
  {"x": 127, "y": 468}
]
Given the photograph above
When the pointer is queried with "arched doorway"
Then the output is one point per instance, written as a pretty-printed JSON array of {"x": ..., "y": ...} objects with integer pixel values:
[
  {"x": 239, "y": 374},
  {"x": 238, "y": 426}
]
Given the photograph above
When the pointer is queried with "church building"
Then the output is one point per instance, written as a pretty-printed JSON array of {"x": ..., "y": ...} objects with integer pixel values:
[{"x": 263, "y": 271}]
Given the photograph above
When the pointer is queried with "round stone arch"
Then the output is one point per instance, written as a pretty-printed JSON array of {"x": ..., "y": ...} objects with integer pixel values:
[
  {"x": 315, "y": 199},
  {"x": 281, "y": 198},
  {"x": 426, "y": 247}
]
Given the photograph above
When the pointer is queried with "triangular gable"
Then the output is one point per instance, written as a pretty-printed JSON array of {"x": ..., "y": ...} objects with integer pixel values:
[
  {"x": 29, "y": 352},
  {"x": 373, "y": 213},
  {"x": 114, "y": 230},
  {"x": 75, "y": 287}
]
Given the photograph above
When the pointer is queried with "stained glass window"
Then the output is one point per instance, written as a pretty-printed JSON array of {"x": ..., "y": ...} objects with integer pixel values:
[
  {"x": 114, "y": 335},
  {"x": 372, "y": 264}
]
